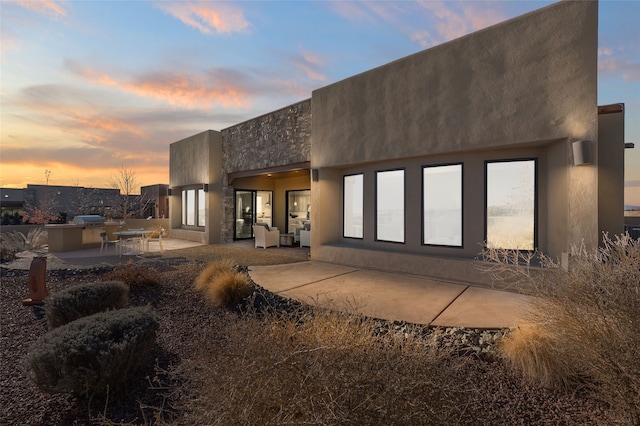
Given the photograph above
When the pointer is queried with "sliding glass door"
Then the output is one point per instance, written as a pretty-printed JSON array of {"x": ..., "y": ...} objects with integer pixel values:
[
  {"x": 251, "y": 207},
  {"x": 298, "y": 209}
]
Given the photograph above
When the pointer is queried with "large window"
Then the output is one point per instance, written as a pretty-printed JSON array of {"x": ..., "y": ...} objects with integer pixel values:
[
  {"x": 390, "y": 206},
  {"x": 511, "y": 204},
  {"x": 353, "y": 203},
  {"x": 193, "y": 207},
  {"x": 442, "y": 205}
]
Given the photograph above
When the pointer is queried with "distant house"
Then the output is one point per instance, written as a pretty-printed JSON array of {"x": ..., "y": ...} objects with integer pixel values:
[
  {"x": 63, "y": 203},
  {"x": 493, "y": 139},
  {"x": 154, "y": 201}
]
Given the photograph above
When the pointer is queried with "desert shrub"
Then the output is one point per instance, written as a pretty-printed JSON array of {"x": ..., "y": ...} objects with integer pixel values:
[
  {"x": 593, "y": 309},
  {"x": 84, "y": 299},
  {"x": 223, "y": 285},
  {"x": 538, "y": 352},
  {"x": 16, "y": 242},
  {"x": 133, "y": 275},
  {"x": 317, "y": 368},
  {"x": 211, "y": 271},
  {"x": 93, "y": 353}
]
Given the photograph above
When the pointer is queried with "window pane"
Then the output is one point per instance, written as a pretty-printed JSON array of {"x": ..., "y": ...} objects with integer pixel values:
[
  {"x": 511, "y": 204},
  {"x": 443, "y": 205},
  {"x": 191, "y": 207},
  {"x": 201, "y": 208},
  {"x": 353, "y": 205},
  {"x": 390, "y": 206},
  {"x": 184, "y": 207}
]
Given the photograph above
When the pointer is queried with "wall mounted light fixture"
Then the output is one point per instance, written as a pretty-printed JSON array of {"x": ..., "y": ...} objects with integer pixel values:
[
  {"x": 582, "y": 154},
  {"x": 315, "y": 175}
]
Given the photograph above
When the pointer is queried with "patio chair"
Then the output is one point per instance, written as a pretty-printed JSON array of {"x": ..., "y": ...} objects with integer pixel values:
[
  {"x": 265, "y": 237},
  {"x": 106, "y": 242},
  {"x": 153, "y": 238}
]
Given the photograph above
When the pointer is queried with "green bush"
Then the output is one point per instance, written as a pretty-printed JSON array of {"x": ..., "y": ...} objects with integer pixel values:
[
  {"x": 94, "y": 353},
  {"x": 83, "y": 300}
]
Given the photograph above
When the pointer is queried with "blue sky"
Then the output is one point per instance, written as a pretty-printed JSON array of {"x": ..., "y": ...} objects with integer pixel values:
[{"x": 89, "y": 86}]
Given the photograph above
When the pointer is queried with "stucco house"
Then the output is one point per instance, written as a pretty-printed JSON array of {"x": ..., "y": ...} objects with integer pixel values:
[{"x": 494, "y": 138}]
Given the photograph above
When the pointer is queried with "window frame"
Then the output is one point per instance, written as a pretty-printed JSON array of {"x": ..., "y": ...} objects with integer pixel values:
[
  {"x": 404, "y": 205},
  {"x": 344, "y": 181},
  {"x": 536, "y": 190},
  {"x": 199, "y": 196},
  {"x": 422, "y": 237}
]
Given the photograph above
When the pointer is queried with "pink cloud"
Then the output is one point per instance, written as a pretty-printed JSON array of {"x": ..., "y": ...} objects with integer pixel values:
[
  {"x": 309, "y": 64},
  {"x": 46, "y": 7},
  {"x": 352, "y": 10},
  {"x": 368, "y": 11},
  {"x": 208, "y": 16},
  {"x": 189, "y": 91},
  {"x": 612, "y": 62},
  {"x": 454, "y": 20}
]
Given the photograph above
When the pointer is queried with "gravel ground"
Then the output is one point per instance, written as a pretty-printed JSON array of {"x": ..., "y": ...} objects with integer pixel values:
[{"x": 500, "y": 398}]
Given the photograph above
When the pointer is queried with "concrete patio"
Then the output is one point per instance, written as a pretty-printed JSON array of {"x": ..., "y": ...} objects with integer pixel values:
[{"x": 378, "y": 294}]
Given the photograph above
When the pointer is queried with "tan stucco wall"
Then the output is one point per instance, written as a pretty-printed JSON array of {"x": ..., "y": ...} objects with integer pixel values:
[
  {"x": 530, "y": 78},
  {"x": 521, "y": 89},
  {"x": 611, "y": 172},
  {"x": 197, "y": 160}
]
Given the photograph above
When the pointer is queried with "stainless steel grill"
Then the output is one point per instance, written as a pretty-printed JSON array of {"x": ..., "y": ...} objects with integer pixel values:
[{"x": 89, "y": 221}]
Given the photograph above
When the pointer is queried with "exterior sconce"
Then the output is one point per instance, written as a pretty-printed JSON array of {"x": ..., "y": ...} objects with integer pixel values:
[
  {"x": 315, "y": 175},
  {"x": 205, "y": 187},
  {"x": 169, "y": 192},
  {"x": 582, "y": 153}
]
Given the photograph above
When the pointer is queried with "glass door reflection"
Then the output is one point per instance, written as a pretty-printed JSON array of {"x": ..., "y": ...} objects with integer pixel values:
[{"x": 251, "y": 207}]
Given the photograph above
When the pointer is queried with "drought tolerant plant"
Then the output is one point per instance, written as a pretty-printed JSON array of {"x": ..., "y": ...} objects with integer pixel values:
[
  {"x": 223, "y": 285},
  {"x": 94, "y": 353},
  {"x": 84, "y": 299},
  {"x": 591, "y": 313},
  {"x": 539, "y": 353},
  {"x": 16, "y": 242},
  {"x": 134, "y": 275},
  {"x": 318, "y": 367}
]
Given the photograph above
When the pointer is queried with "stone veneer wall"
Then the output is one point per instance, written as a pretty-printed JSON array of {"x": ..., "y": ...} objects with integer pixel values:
[{"x": 275, "y": 139}]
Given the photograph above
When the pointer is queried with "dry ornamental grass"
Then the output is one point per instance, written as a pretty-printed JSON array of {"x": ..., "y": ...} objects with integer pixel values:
[{"x": 273, "y": 366}]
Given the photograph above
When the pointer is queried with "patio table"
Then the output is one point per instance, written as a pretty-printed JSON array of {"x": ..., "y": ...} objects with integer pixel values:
[{"x": 131, "y": 239}]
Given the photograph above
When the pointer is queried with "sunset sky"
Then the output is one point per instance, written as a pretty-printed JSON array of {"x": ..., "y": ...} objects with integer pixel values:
[{"x": 88, "y": 87}]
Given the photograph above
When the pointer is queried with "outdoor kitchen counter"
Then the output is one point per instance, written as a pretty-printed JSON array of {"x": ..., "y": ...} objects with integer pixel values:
[
  {"x": 72, "y": 237},
  {"x": 64, "y": 237}
]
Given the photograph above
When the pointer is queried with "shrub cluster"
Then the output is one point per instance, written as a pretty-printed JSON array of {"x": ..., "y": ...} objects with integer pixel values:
[
  {"x": 223, "y": 285},
  {"x": 133, "y": 275},
  {"x": 15, "y": 242},
  {"x": 93, "y": 353},
  {"x": 85, "y": 299},
  {"x": 586, "y": 325},
  {"x": 318, "y": 367}
]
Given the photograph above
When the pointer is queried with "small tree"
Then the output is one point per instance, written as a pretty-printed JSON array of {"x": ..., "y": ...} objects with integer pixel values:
[
  {"x": 125, "y": 180},
  {"x": 42, "y": 210}
]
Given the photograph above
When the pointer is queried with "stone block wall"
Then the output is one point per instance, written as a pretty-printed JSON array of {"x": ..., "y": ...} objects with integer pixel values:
[{"x": 276, "y": 139}]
